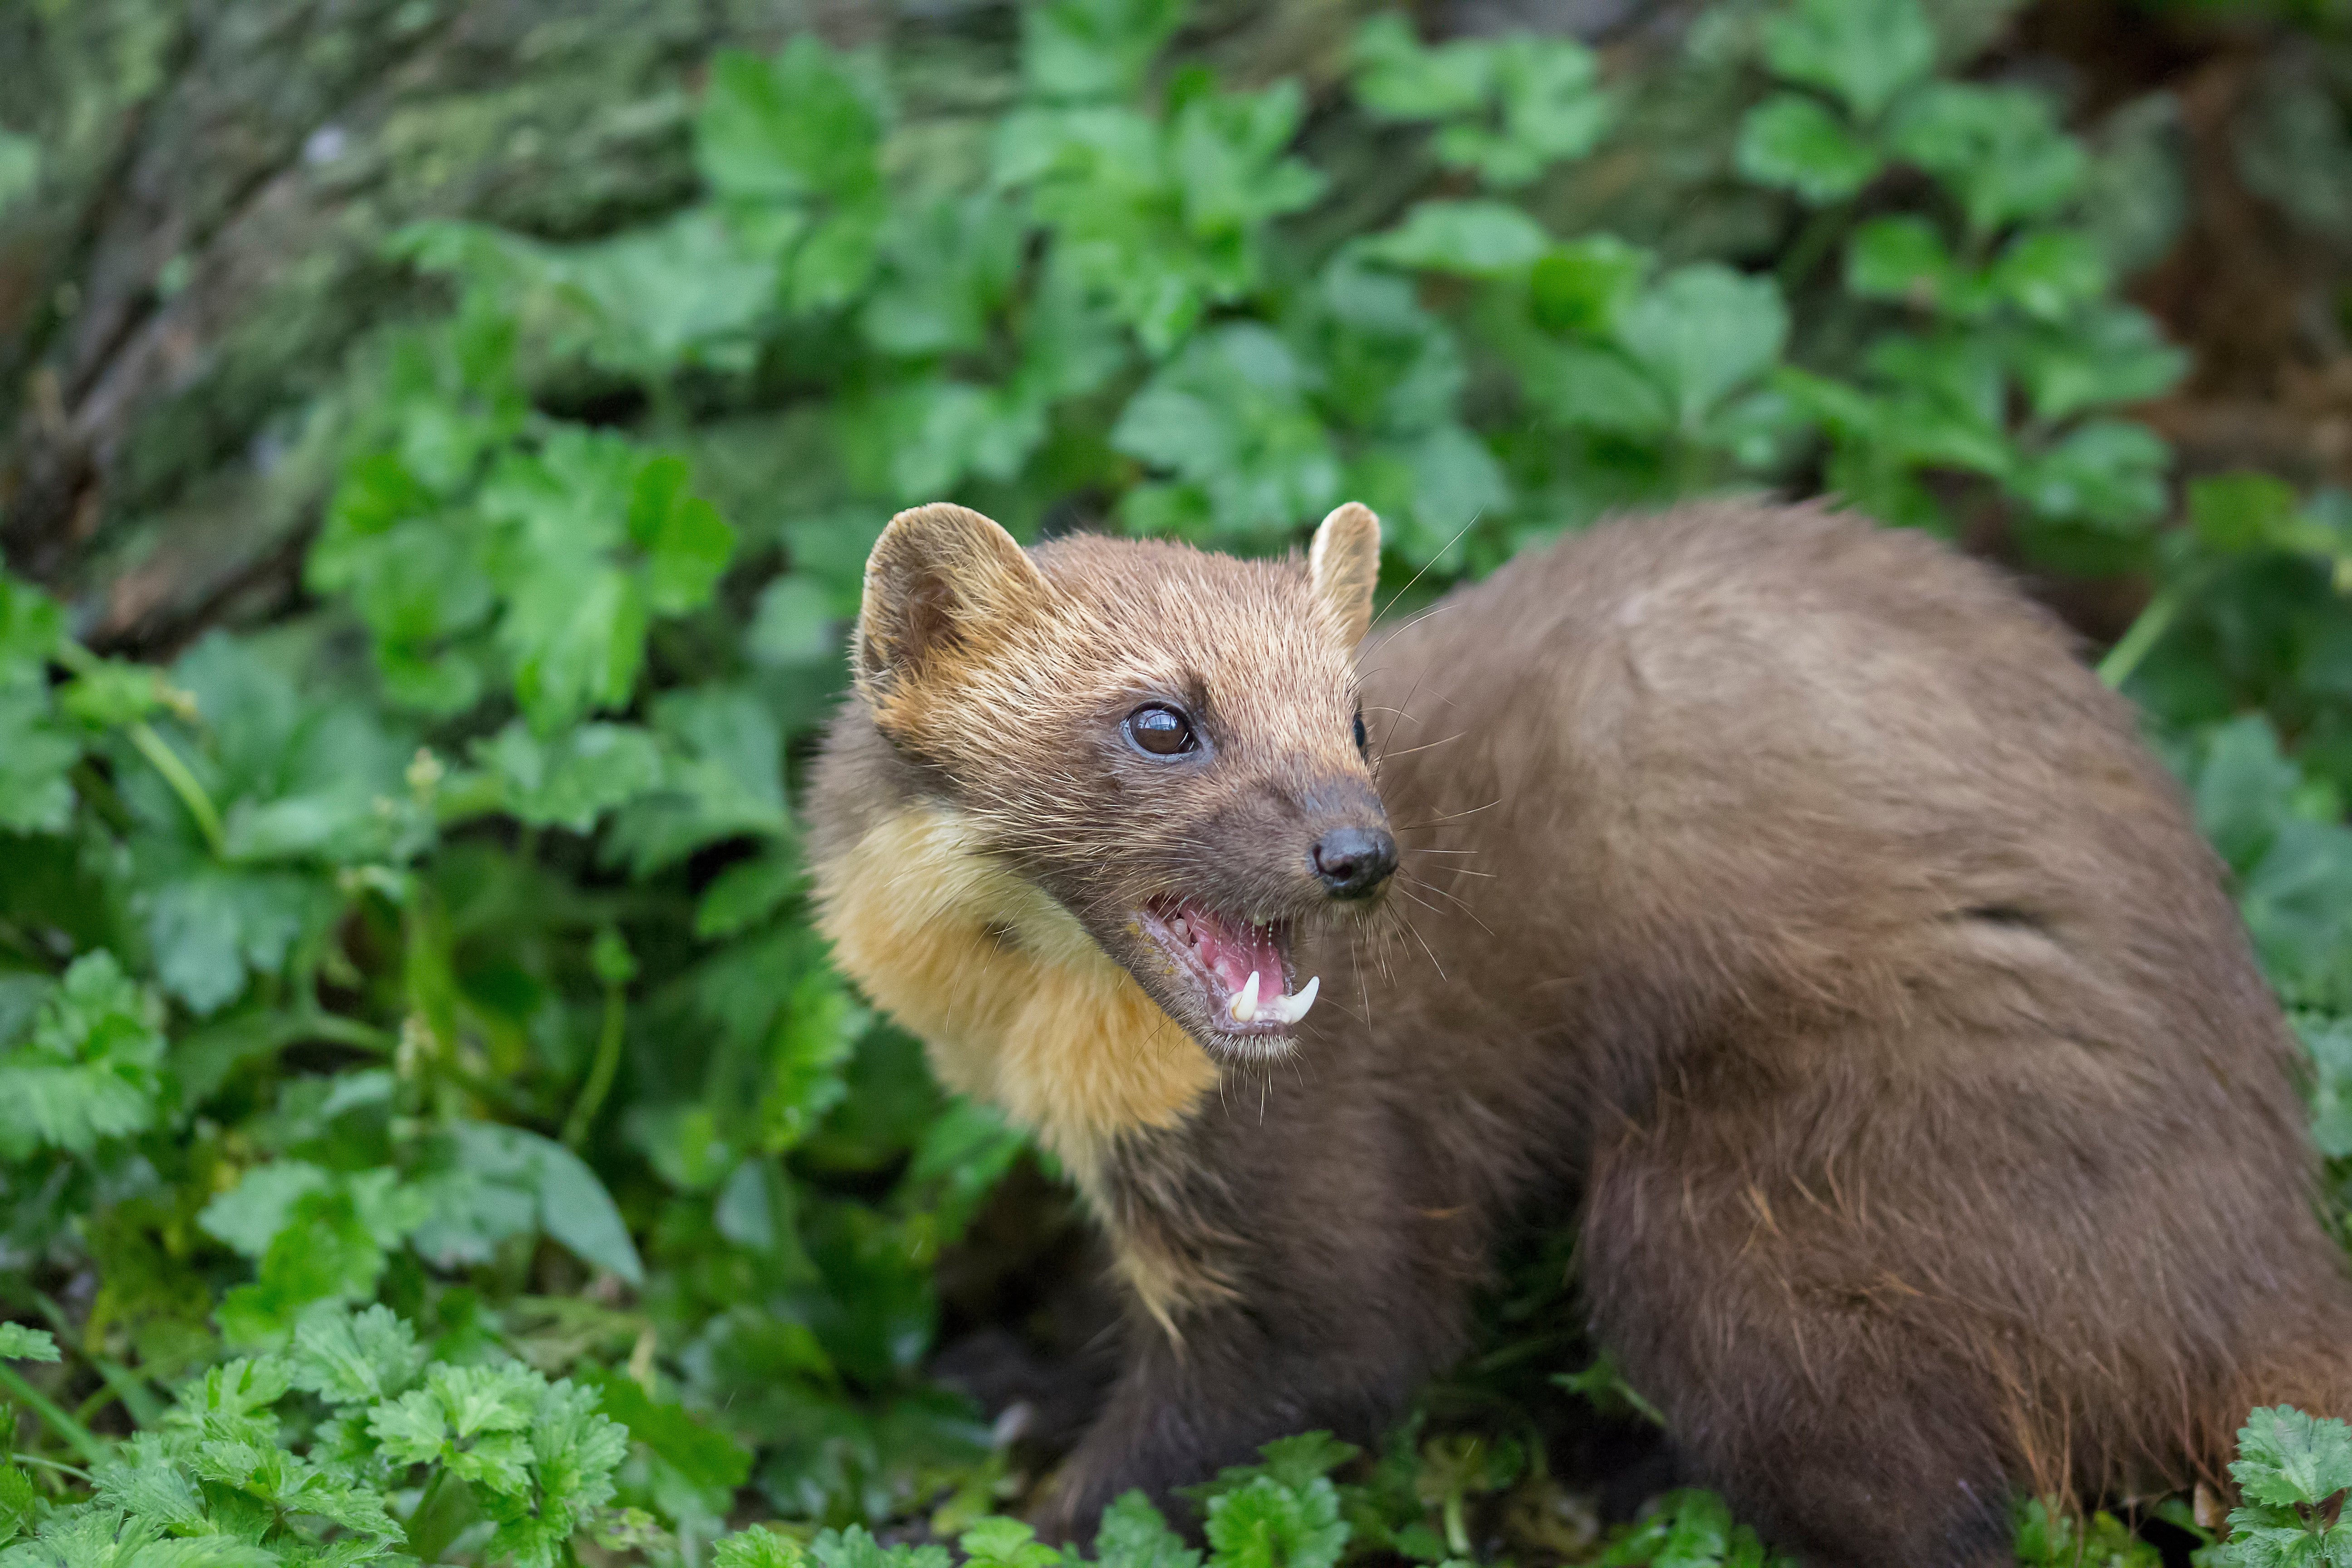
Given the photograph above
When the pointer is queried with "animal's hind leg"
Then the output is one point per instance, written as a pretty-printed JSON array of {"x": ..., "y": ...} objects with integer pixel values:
[{"x": 1822, "y": 1412}]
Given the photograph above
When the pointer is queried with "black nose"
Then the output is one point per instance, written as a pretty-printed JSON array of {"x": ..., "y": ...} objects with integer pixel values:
[{"x": 1354, "y": 861}]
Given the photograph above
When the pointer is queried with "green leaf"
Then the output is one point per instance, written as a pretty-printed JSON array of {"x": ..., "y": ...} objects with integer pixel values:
[
  {"x": 1551, "y": 110},
  {"x": 1903, "y": 258},
  {"x": 250, "y": 1215},
  {"x": 2286, "y": 1456},
  {"x": 759, "y": 1547},
  {"x": 800, "y": 126},
  {"x": 90, "y": 1070},
  {"x": 813, "y": 1039},
  {"x": 1229, "y": 416},
  {"x": 327, "y": 1250},
  {"x": 100, "y": 1537},
  {"x": 36, "y": 754},
  {"x": 1077, "y": 50},
  {"x": 355, "y": 1358},
  {"x": 1512, "y": 106},
  {"x": 1265, "y": 1524},
  {"x": 1475, "y": 239},
  {"x": 20, "y": 171},
  {"x": 572, "y": 1206},
  {"x": 2234, "y": 513},
  {"x": 19, "y": 1502},
  {"x": 1704, "y": 331},
  {"x": 2297, "y": 904},
  {"x": 32, "y": 629},
  {"x": 113, "y": 692},
  {"x": 949, "y": 268},
  {"x": 2111, "y": 353},
  {"x": 794, "y": 624},
  {"x": 579, "y": 1213},
  {"x": 1297, "y": 1462},
  {"x": 1790, "y": 142},
  {"x": 1598, "y": 389},
  {"x": 2329, "y": 1044},
  {"x": 1398, "y": 79},
  {"x": 1581, "y": 289},
  {"x": 1999, "y": 148},
  {"x": 1006, "y": 1543},
  {"x": 746, "y": 893},
  {"x": 575, "y": 779},
  {"x": 703, "y": 1456},
  {"x": 212, "y": 929},
  {"x": 963, "y": 1154},
  {"x": 2105, "y": 474},
  {"x": 19, "y": 1342},
  {"x": 854, "y": 1548},
  {"x": 1226, "y": 150},
  {"x": 1133, "y": 1535},
  {"x": 2050, "y": 273},
  {"x": 722, "y": 777},
  {"x": 2245, "y": 790},
  {"x": 1864, "y": 52},
  {"x": 686, "y": 542},
  {"x": 640, "y": 321}
]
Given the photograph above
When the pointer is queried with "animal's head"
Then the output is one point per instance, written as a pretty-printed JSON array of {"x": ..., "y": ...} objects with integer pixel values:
[{"x": 1167, "y": 744}]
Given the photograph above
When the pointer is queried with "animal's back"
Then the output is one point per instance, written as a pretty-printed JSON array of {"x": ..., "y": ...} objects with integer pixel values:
[{"x": 1887, "y": 997}]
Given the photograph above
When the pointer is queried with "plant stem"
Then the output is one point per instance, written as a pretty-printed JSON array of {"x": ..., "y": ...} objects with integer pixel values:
[
  {"x": 2153, "y": 622},
  {"x": 184, "y": 783},
  {"x": 600, "y": 1072},
  {"x": 81, "y": 1438},
  {"x": 345, "y": 1031}
]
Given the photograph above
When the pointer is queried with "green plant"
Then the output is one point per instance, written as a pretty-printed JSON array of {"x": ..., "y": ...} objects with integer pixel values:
[
  {"x": 2292, "y": 1472},
  {"x": 413, "y": 1049}
]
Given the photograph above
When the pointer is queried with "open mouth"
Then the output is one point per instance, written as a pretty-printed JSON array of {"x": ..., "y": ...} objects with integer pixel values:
[{"x": 1241, "y": 968}]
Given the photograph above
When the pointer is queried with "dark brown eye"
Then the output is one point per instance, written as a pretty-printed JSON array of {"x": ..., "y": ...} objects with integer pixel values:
[
  {"x": 1160, "y": 731},
  {"x": 1363, "y": 742}
]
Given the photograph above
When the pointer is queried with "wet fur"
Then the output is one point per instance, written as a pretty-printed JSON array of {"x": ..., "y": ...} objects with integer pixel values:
[{"x": 1783, "y": 887}]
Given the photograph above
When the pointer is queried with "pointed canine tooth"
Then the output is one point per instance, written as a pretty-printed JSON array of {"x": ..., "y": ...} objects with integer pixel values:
[
  {"x": 1290, "y": 1009},
  {"x": 1298, "y": 1005},
  {"x": 1245, "y": 999}
]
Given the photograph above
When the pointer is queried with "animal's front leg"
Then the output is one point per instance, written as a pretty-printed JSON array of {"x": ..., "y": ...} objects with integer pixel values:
[
  {"x": 1289, "y": 1275},
  {"x": 1241, "y": 1375}
]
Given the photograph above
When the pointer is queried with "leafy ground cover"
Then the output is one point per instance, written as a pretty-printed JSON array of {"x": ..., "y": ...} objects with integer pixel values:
[{"x": 429, "y": 1126}]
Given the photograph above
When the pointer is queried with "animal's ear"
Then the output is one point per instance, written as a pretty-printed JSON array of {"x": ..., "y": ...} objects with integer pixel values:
[
  {"x": 942, "y": 579},
  {"x": 1343, "y": 565}
]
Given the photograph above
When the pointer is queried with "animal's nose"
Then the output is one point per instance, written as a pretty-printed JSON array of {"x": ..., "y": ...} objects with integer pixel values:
[{"x": 1354, "y": 861}]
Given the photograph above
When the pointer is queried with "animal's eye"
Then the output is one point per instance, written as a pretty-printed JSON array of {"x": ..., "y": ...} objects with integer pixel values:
[
  {"x": 1161, "y": 730},
  {"x": 1363, "y": 742}
]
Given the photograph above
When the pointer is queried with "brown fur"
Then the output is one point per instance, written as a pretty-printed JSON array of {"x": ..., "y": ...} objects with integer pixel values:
[{"x": 1780, "y": 885}]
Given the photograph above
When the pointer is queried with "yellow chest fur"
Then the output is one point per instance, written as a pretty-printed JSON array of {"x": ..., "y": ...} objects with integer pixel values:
[{"x": 1013, "y": 1001}]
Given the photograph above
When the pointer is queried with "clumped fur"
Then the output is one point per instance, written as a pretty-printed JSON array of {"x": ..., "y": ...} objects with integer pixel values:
[{"x": 1782, "y": 887}]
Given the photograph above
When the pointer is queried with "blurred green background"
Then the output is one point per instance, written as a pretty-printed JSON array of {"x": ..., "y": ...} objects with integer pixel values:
[{"x": 439, "y": 440}]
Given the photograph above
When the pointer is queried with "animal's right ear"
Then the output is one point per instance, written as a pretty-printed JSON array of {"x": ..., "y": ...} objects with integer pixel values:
[
  {"x": 941, "y": 580},
  {"x": 1343, "y": 565}
]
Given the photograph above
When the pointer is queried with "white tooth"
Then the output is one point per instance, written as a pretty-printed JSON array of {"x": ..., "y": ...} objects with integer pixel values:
[
  {"x": 1298, "y": 1005},
  {"x": 1178, "y": 926},
  {"x": 1246, "y": 1000}
]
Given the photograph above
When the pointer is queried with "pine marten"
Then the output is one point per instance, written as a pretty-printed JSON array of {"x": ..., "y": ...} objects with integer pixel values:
[{"x": 1779, "y": 885}]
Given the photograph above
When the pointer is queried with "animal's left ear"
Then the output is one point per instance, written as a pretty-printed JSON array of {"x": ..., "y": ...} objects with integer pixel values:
[{"x": 1343, "y": 565}]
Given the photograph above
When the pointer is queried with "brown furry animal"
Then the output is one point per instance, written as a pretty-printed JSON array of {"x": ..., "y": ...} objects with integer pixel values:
[{"x": 1781, "y": 885}]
